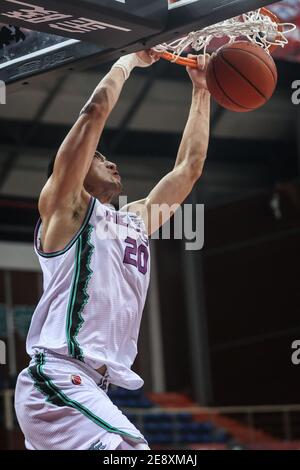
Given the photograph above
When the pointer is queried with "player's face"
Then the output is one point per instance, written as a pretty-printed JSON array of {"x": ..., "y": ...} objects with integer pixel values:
[{"x": 103, "y": 179}]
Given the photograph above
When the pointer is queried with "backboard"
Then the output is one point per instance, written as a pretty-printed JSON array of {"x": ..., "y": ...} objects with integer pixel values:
[{"x": 39, "y": 37}]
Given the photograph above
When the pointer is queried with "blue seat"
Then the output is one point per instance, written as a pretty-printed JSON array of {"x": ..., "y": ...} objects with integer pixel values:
[
  {"x": 155, "y": 417},
  {"x": 221, "y": 436},
  {"x": 122, "y": 392},
  {"x": 166, "y": 417},
  {"x": 166, "y": 426},
  {"x": 206, "y": 438},
  {"x": 159, "y": 438},
  {"x": 183, "y": 417},
  {"x": 190, "y": 438},
  {"x": 151, "y": 427},
  {"x": 130, "y": 403},
  {"x": 145, "y": 403},
  {"x": 208, "y": 426}
]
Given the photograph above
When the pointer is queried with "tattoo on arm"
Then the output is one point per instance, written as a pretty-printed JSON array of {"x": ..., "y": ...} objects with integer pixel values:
[{"x": 102, "y": 97}]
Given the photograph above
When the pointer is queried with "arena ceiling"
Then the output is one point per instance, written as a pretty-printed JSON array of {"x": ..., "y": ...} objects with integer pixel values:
[{"x": 144, "y": 131}]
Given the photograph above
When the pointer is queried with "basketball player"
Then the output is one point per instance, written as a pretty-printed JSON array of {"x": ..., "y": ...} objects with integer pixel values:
[{"x": 84, "y": 331}]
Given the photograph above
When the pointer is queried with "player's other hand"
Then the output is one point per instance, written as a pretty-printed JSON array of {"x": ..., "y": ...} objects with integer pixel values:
[
  {"x": 147, "y": 58},
  {"x": 198, "y": 75}
]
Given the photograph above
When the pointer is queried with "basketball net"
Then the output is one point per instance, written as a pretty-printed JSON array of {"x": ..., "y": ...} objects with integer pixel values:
[{"x": 261, "y": 27}]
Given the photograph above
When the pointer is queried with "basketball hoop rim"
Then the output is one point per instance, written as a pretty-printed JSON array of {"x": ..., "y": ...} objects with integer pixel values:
[
  {"x": 192, "y": 62},
  {"x": 274, "y": 18}
]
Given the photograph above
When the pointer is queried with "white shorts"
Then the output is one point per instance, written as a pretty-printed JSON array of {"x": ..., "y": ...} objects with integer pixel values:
[{"x": 61, "y": 404}]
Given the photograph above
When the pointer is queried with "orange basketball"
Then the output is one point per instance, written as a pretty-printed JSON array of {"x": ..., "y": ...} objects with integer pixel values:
[{"x": 242, "y": 76}]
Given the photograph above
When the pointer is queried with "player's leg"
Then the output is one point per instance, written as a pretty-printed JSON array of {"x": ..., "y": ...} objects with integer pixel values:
[
  {"x": 126, "y": 446},
  {"x": 56, "y": 414},
  {"x": 49, "y": 425}
]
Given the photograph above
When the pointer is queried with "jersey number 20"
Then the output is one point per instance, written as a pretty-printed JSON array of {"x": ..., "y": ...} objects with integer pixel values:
[{"x": 136, "y": 255}]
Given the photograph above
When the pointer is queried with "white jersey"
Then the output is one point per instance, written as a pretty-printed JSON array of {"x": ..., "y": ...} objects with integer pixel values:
[{"x": 94, "y": 294}]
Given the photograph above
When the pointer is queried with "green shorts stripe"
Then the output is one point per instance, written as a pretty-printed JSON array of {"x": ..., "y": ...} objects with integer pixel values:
[{"x": 56, "y": 397}]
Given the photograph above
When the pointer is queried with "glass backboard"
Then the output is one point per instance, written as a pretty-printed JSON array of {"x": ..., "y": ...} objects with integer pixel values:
[
  {"x": 17, "y": 43},
  {"x": 34, "y": 54}
]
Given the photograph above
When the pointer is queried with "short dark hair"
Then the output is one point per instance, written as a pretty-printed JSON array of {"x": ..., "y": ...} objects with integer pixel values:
[
  {"x": 100, "y": 156},
  {"x": 52, "y": 161}
]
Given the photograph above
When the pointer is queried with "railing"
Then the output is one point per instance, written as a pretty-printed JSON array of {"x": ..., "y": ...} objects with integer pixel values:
[
  {"x": 253, "y": 424},
  {"x": 281, "y": 422}
]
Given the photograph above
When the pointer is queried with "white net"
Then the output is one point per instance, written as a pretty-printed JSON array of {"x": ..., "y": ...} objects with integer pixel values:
[{"x": 257, "y": 26}]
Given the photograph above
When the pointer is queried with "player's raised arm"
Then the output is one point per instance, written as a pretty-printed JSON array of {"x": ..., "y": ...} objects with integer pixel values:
[
  {"x": 174, "y": 188},
  {"x": 75, "y": 155}
]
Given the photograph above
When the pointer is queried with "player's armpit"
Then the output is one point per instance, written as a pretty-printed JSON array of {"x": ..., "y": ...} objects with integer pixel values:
[{"x": 165, "y": 198}]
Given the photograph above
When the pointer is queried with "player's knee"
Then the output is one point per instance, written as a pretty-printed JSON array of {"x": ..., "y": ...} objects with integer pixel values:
[
  {"x": 141, "y": 447},
  {"x": 126, "y": 446}
]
